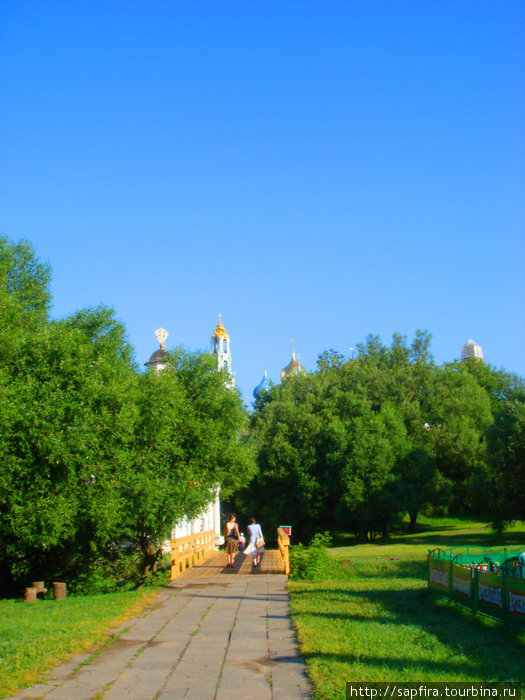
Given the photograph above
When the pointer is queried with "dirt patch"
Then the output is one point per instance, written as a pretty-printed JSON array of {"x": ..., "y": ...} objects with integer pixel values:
[{"x": 260, "y": 665}]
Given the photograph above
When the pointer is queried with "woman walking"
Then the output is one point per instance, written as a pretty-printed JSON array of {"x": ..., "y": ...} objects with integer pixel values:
[
  {"x": 256, "y": 543},
  {"x": 231, "y": 535}
]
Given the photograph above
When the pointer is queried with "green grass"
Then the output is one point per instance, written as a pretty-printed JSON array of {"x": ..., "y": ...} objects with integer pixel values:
[
  {"x": 34, "y": 637},
  {"x": 374, "y": 620},
  {"x": 431, "y": 532}
]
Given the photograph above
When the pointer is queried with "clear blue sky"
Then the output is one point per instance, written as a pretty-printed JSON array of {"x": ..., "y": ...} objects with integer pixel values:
[{"x": 322, "y": 170}]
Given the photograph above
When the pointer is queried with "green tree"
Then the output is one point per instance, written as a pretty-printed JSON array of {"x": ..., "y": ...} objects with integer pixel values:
[
  {"x": 92, "y": 452},
  {"x": 24, "y": 280},
  {"x": 369, "y": 501},
  {"x": 287, "y": 486},
  {"x": 501, "y": 386},
  {"x": 456, "y": 419},
  {"x": 368, "y": 438},
  {"x": 327, "y": 443},
  {"x": 505, "y": 499},
  {"x": 419, "y": 483},
  {"x": 67, "y": 431},
  {"x": 24, "y": 297},
  {"x": 188, "y": 440}
]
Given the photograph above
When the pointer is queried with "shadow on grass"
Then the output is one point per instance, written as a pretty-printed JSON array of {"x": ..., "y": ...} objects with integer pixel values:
[
  {"x": 344, "y": 539},
  {"x": 450, "y": 668},
  {"x": 437, "y": 537},
  {"x": 482, "y": 539},
  {"x": 494, "y": 652}
]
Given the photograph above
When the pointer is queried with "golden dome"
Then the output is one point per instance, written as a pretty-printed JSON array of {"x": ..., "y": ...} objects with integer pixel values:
[
  {"x": 292, "y": 368},
  {"x": 220, "y": 331}
]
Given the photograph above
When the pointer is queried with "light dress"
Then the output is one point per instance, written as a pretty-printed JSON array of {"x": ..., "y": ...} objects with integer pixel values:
[{"x": 254, "y": 531}]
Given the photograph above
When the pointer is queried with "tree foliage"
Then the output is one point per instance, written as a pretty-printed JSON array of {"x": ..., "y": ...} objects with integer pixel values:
[
  {"x": 505, "y": 473},
  {"x": 362, "y": 441},
  {"x": 93, "y": 452},
  {"x": 69, "y": 417},
  {"x": 187, "y": 441}
]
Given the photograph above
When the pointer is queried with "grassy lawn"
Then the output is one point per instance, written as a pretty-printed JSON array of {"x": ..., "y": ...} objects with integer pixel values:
[
  {"x": 34, "y": 637},
  {"x": 374, "y": 620},
  {"x": 431, "y": 532}
]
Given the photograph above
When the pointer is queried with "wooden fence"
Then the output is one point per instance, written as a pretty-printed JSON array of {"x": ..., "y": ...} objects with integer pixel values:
[{"x": 190, "y": 550}]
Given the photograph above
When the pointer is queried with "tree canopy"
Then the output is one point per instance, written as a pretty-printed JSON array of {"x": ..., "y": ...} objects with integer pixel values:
[
  {"x": 362, "y": 441},
  {"x": 93, "y": 452}
]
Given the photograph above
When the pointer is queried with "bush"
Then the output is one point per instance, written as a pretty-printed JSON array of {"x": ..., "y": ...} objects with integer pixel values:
[
  {"x": 120, "y": 573},
  {"x": 311, "y": 563}
]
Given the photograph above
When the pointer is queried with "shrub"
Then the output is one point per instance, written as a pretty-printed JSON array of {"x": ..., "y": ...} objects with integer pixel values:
[{"x": 311, "y": 563}]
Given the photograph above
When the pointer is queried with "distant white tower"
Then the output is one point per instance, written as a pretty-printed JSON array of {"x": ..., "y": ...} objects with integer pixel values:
[
  {"x": 470, "y": 350},
  {"x": 220, "y": 347}
]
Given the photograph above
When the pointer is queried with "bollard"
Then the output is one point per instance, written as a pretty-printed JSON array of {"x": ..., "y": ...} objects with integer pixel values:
[
  {"x": 30, "y": 595},
  {"x": 59, "y": 591},
  {"x": 41, "y": 589}
]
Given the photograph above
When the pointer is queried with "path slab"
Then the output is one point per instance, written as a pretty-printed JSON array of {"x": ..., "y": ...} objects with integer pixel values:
[{"x": 209, "y": 637}]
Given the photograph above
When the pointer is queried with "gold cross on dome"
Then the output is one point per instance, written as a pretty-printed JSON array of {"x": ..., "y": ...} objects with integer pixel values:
[
  {"x": 161, "y": 336},
  {"x": 293, "y": 346}
]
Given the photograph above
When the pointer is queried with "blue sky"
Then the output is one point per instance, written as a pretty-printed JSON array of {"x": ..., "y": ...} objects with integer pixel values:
[{"x": 317, "y": 170}]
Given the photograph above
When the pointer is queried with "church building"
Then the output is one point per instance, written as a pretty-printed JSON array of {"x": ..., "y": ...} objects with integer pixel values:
[{"x": 220, "y": 347}]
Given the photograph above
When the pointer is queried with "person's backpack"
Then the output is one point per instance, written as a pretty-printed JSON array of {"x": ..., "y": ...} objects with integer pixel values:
[{"x": 230, "y": 533}]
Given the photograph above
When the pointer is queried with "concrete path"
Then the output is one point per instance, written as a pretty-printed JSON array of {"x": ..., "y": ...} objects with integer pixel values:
[{"x": 210, "y": 638}]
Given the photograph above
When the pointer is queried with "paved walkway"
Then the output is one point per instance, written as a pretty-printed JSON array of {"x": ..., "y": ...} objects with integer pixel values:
[{"x": 209, "y": 636}]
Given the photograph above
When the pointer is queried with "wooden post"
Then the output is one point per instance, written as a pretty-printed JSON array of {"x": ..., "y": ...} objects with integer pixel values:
[
  {"x": 30, "y": 595},
  {"x": 284, "y": 543},
  {"x": 59, "y": 591}
]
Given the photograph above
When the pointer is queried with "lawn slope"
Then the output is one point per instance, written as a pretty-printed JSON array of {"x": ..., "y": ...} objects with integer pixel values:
[
  {"x": 374, "y": 620},
  {"x": 34, "y": 637}
]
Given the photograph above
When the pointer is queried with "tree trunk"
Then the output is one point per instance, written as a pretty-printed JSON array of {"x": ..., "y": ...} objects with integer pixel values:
[
  {"x": 413, "y": 518},
  {"x": 386, "y": 530},
  {"x": 150, "y": 559}
]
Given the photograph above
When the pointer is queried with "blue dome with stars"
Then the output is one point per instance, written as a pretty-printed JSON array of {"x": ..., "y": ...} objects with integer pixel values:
[{"x": 263, "y": 386}]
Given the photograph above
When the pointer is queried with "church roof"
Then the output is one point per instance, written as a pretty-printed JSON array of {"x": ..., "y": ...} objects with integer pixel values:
[
  {"x": 263, "y": 386},
  {"x": 292, "y": 368},
  {"x": 159, "y": 355},
  {"x": 220, "y": 331}
]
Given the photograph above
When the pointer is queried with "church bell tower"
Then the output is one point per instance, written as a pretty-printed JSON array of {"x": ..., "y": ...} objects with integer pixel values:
[{"x": 220, "y": 347}]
